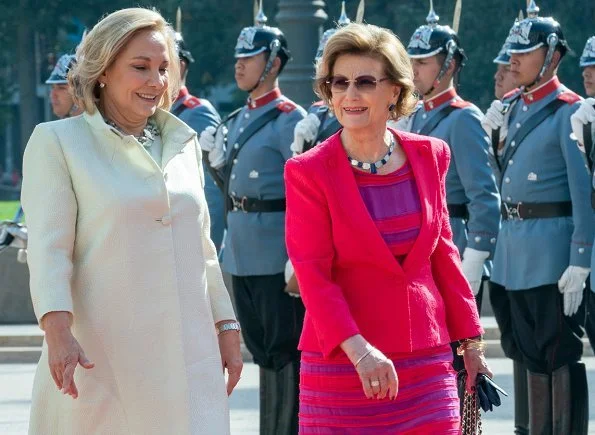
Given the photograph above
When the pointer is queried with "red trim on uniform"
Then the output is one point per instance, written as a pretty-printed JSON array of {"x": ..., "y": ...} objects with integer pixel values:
[
  {"x": 541, "y": 92},
  {"x": 286, "y": 106},
  {"x": 318, "y": 103},
  {"x": 264, "y": 99},
  {"x": 440, "y": 99},
  {"x": 183, "y": 92},
  {"x": 510, "y": 93},
  {"x": 191, "y": 102},
  {"x": 460, "y": 104},
  {"x": 569, "y": 97}
]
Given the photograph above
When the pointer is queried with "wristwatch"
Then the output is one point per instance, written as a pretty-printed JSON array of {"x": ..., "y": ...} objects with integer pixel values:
[{"x": 230, "y": 326}]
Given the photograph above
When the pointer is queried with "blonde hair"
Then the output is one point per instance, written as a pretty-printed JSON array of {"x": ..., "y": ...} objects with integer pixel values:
[
  {"x": 375, "y": 42},
  {"x": 105, "y": 42}
]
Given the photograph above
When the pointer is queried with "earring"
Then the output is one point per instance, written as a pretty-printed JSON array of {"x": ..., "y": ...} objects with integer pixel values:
[
  {"x": 102, "y": 85},
  {"x": 392, "y": 107}
]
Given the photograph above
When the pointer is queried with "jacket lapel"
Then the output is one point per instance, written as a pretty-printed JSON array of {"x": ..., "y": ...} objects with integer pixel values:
[
  {"x": 423, "y": 165},
  {"x": 356, "y": 213},
  {"x": 175, "y": 135}
]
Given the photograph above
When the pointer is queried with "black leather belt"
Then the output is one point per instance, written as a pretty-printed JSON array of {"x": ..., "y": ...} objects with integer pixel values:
[
  {"x": 536, "y": 210},
  {"x": 253, "y": 205},
  {"x": 458, "y": 211}
]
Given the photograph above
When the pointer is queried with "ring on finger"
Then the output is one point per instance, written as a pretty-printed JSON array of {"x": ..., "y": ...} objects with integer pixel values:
[{"x": 375, "y": 383}]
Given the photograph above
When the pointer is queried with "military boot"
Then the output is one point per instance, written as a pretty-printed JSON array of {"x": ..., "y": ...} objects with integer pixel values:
[
  {"x": 521, "y": 400},
  {"x": 540, "y": 403}
]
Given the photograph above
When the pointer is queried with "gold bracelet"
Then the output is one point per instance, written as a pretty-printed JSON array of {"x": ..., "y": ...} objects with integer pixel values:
[{"x": 472, "y": 344}]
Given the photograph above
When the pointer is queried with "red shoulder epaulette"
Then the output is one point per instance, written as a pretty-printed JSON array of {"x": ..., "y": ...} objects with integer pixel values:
[
  {"x": 191, "y": 102},
  {"x": 318, "y": 103},
  {"x": 460, "y": 104},
  {"x": 568, "y": 97},
  {"x": 286, "y": 106},
  {"x": 510, "y": 94}
]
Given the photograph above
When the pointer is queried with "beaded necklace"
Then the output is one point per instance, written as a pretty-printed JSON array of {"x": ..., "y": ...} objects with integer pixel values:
[{"x": 373, "y": 167}]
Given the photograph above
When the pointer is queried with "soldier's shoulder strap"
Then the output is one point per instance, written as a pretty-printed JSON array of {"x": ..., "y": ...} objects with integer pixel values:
[
  {"x": 328, "y": 131},
  {"x": 248, "y": 132},
  {"x": 568, "y": 97},
  {"x": 437, "y": 119},
  {"x": 530, "y": 125}
]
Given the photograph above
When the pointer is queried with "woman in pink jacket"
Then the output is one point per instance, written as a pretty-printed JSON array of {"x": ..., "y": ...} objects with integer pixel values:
[{"x": 369, "y": 237}]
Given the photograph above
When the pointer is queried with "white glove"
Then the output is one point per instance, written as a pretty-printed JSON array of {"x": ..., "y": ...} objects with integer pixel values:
[
  {"x": 305, "y": 131},
  {"x": 584, "y": 115},
  {"x": 288, "y": 271},
  {"x": 211, "y": 140},
  {"x": 571, "y": 285},
  {"x": 495, "y": 118},
  {"x": 473, "y": 261}
]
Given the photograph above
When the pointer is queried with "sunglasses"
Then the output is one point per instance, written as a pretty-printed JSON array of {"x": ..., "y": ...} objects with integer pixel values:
[{"x": 361, "y": 83}]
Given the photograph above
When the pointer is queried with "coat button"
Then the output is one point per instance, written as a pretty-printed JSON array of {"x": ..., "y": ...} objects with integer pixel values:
[
  {"x": 233, "y": 176},
  {"x": 246, "y": 115},
  {"x": 236, "y": 145},
  {"x": 477, "y": 239},
  {"x": 235, "y": 161},
  {"x": 518, "y": 125},
  {"x": 166, "y": 220},
  {"x": 493, "y": 240},
  {"x": 513, "y": 143},
  {"x": 581, "y": 250},
  {"x": 241, "y": 129},
  {"x": 525, "y": 108},
  {"x": 507, "y": 180},
  {"x": 510, "y": 162},
  {"x": 508, "y": 198}
]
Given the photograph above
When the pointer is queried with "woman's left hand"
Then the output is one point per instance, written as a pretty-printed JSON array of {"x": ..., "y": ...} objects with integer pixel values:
[
  {"x": 231, "y": 357},
  {"x": 475, "y": 363}
]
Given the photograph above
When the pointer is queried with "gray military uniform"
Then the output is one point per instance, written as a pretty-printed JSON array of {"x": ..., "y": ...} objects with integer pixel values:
[{"x": 255, "y": 242}]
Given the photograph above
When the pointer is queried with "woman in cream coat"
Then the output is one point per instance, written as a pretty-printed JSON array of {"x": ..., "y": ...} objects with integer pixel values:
[{"x": 124, "y": 278}]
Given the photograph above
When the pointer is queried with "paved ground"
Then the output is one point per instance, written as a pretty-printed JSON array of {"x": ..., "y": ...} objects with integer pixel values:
[{"x": 16, "y": 380}]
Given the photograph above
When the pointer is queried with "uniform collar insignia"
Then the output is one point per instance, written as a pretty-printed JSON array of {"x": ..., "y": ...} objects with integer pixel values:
[
  {"x": 183, "y": 93},
  {"x": 542, "y": 91},
  {"x": 264, "y": 99},
  {"x": 440, "y": 99}
]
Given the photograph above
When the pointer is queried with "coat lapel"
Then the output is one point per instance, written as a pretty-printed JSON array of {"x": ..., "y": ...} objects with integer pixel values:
[
  {"x": 425, "y": 172},
  {"x": 355, "y": 211}
]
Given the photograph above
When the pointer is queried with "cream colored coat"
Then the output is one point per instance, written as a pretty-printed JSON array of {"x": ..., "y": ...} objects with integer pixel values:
[{"x": 124, "y": 246}]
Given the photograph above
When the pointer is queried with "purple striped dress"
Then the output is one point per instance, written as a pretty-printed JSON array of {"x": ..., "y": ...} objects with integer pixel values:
[{"x": 332, "y": 400}]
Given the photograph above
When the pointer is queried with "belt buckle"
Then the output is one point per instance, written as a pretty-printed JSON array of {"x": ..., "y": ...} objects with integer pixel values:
[
  {"x": 514, "y": 211},
  {"x": 239, "y": 204}
]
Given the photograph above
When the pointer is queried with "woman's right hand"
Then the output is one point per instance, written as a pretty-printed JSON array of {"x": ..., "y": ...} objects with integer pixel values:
[
  {"x": 64, "y": 351},
  {"x": 378, "y": 376},
  {"x": 376, "y": 372}
]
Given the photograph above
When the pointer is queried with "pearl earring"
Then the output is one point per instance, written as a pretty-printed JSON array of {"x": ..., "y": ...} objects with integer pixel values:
[{"x": 102, "y": 85}]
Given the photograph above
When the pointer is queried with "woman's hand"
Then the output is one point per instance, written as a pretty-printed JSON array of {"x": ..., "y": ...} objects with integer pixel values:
[
  {"x": 376, "y": 372},
  {"x": 378, "y": 375},
  {"x": 64, "y": 352},
  {"x": 475, "y": 363},
  {"x": 231, "y": 357}
]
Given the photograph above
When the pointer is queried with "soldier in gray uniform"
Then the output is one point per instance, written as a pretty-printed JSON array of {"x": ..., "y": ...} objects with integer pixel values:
[
  {"x": 471, "y": 193},
  {"x": 543, "y": 251},
  {"x": 61, "y": 100},
  {"x": 200, "y": 114},
  {"x": 254, "y": 253},
  {"x": 321, "y": 123},
  {"x": 583, "y": 128},
  {"x": 504, "y": 84}
]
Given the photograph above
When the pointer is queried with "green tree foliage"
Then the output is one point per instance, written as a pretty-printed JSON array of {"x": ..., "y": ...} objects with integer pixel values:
[{"x": 483, "y": 28}]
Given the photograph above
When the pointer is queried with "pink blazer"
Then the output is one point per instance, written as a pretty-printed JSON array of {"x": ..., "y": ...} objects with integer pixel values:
[{"x": 349, "y": 280}]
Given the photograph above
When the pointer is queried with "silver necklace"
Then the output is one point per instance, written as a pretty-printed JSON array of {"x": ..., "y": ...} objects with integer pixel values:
[
  {"x": 147, "y": 136},
  {"x": 373, "y": 167}
]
